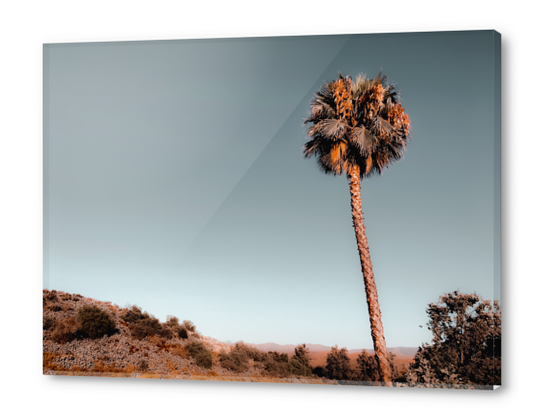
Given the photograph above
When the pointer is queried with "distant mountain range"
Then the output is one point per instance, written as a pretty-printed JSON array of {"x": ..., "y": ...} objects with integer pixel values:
[{"x": 289, "y": 348}]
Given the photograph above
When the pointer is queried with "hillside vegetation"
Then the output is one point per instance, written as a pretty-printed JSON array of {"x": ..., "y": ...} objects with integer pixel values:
[
  {"x": 83, "y": 336},
  {"x": 86, "y": 336}
]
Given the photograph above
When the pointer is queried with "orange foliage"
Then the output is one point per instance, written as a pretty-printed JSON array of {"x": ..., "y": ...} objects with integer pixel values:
[
  {"x": 372, "y": 100},
  {"x": 342, "y": 97}
]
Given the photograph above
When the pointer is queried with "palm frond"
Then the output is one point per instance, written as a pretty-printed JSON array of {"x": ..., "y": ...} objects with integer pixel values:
[
  {"x": 383, "y": 129},
  {"x": 332, "y": 129},
  {"x": 363, "y": 140},
  {"x": 310, "y": 148},
  {"x": 356, "y": 125}
]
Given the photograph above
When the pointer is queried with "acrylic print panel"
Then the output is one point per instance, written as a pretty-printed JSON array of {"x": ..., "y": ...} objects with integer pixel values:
[{"x": 209, "y": 207}]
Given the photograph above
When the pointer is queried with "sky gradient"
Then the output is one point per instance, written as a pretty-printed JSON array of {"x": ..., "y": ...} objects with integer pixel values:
[{"x": 174, "y": 180}]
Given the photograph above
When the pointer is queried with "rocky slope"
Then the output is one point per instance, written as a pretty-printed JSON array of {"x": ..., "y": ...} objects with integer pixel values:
[
  {"x": 119, "y": 352},
  {"x": 68, "y": 350}
]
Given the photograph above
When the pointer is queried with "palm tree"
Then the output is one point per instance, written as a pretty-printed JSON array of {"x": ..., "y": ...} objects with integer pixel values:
[{"x": 359, "y": 128}]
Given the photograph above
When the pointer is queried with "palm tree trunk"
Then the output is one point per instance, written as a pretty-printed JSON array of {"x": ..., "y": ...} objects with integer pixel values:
[{"x": 377, "y": 329}]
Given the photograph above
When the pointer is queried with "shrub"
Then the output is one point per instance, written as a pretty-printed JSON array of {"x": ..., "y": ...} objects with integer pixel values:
[
  {"x": 278, "y": 357},
  {"x": 189, "y": 325},
  {"x": 165, "y": 333},
  {"x": 182, "y": 332},
  {"x": 173, "y": 324},
  {"x": 252, "y": 352},
  {"x": 201, "y": 355},
  {"x": 237, "y": 359},
  {"x": 134, "y": 314},
  {"x": 277, "y": 366},
  {"x": 55, "y": 308},
  {"x": 172, "y": 321},
  {"x": 319, "y": 371},
  {"x": 95, "y": 323},
  {"x": 64, "y": 330},
  {"x": 150, "y": 326},
  {"x": 48, "y": 323},
  {"x": 146, "y": 327},
  {"x": 50, "y": 295}
]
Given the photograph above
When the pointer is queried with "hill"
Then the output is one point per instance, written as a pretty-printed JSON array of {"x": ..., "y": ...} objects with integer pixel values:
[
  {"x": 87, "y": 337},
  {"x": 83, "y": 336}
]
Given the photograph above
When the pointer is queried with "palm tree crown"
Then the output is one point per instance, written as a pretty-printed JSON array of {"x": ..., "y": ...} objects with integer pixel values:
[{"x": 357, "y": 124}]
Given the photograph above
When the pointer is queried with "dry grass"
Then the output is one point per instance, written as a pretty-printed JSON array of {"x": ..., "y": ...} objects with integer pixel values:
[
  {"x": 64, "y": 330},
  {"x": 179, "y": 350}
]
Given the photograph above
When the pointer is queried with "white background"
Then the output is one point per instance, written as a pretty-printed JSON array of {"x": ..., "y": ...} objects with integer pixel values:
[{"x": 26, "y": 25}]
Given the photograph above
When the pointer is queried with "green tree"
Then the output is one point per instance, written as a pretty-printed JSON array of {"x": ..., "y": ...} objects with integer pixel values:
[
  {"x": 277, "y": 364},
  {"x": 359, "y": 128},
  {"x": 366, "y": 369},
  {"x": 466, "y": 344},
  {"x": 338, "y": 364},
  {"x": 300, "y": 361}
]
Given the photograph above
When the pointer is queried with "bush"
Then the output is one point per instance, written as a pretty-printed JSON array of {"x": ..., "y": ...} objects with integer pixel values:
[
  {"x": 144, "y": 325},
  {"x": 65, "y": 330},
  {"x": 150, "y": 326},
  {"x": 172, "y": 321},
  {"x": 235, "y": 360},
  {"x": 319, "y": 371},
  {"x": 134, "y": 314},
  {"x": 277, "y": 364},
  {"x": 238, "y": 358},
  {"x": 201, "y": 355},
  {"x": 175, "y": 328},
  {"x": 95, "y": 323},
  {"x": 48, "y": 323},
  {"x": 182, "y": 333},
  {"x": 49, "y": 295},
  {"x": 189, "y": 325},
  {"x": 278, "y": 357}
]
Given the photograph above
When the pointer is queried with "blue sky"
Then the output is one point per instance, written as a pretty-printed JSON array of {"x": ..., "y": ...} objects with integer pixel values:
[{"x": 173, "y": 179}]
